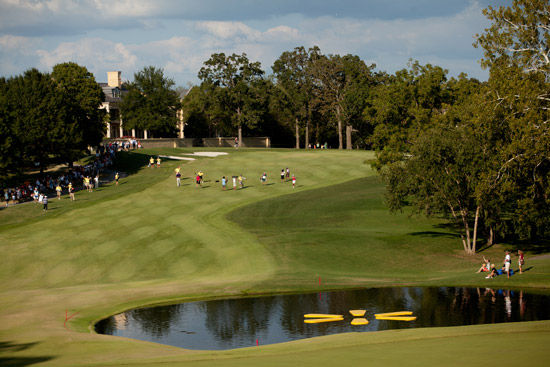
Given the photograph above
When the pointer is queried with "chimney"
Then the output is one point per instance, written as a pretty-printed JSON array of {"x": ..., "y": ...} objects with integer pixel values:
[{"x": 113, "y": 79}]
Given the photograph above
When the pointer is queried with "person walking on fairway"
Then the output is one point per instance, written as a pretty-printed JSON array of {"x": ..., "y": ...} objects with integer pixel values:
[
  {"x": 71, "y": 191},
  {"x": 178, "y": 178},
  {"x": 293, "y": 181},
  {"x": 264, "y": 178},
  {"x": 151, "y": 162},
  {"x": 234, "y": 182},
  {"x": 58, "y": 191},
  {"x": 241, "y": 183},
  {"x": 224, "y": 182},
  {"x": 158, "y": 161},
  {"x": 283, "y": 175},
  {"x": 116, "y": 178},
  {"x": 287, "y": 174},
  {"x": 45, "y": 202}
]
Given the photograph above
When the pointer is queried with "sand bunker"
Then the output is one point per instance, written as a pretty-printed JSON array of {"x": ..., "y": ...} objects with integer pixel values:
[
  {"x": 175, "y": 157},
  {"x": 207, "y": 154},
  {"x": 197, "y": 154}
]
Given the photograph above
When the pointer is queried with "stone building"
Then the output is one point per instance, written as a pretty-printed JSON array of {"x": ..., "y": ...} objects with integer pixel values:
[{"x": 114, "y": 90}]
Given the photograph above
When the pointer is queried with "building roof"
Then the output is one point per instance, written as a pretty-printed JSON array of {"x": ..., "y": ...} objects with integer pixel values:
[{"x": 112, "y": 94}]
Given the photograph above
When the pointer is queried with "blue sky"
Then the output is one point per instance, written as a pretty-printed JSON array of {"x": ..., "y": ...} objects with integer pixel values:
[{"x": 179, "y": 36}]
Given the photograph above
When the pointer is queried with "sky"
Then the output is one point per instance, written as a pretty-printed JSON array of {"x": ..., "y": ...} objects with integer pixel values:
[{"x": 180, "y": 35}]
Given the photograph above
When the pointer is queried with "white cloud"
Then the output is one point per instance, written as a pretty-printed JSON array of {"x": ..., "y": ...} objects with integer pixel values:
[
  {"x": 94, "y": 53},
  {"x": 228, "y": 30},
  {"x": 127, "y": 8},
  {"x": 16, "y": 43},
  {"x": 15, "y": 52},
  {"x": 282, "y": 33},
  {"x": 181, "y": 47}
]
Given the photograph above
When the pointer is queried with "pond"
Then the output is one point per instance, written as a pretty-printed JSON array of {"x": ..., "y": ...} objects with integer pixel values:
[{"x": 246, "y": 322}]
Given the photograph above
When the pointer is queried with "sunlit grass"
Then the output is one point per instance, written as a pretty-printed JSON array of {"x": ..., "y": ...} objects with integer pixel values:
[{"x": 146, "y": 241}]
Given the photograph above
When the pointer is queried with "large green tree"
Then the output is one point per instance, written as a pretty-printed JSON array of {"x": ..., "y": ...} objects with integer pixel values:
[
  {"x": 9, "y": 152},
  {"x": 203, "y": 114},
  {"x": 151, "y": 103},
  {"x": 81, "y": 116},
  {"x": 520, "y": 33},
  {"x": 36, "y": 117},
  {"x": 403, "y": 105},
  {"x": 360, "y": 83},
  {"x": 483, "y": 158},
  {"x": 440, "y": 176},
  {"x": 517, "y": 52},
  {"x": 237, "y": 87},
  {"x": 342, "y": 86},
  {"x": 294, "y": 82}
]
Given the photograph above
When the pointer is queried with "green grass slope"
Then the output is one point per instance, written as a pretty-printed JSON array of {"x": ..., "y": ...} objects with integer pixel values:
[{"x": 146, "y": 241}]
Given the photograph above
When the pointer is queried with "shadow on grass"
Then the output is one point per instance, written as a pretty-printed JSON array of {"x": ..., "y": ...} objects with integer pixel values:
[
  {"x": 9, "y": 347},
  {"x": 434, "y": 234},
  {"x": 131, "y": 162},
  {"x": 448, "y": 230},
  {"x": 539, "y": 246}
]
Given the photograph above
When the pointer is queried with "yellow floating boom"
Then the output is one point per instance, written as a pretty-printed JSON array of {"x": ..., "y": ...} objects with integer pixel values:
[
  {"x": 357, "y": 313},
  {"x": 321, "y": 316},
  {"x": 326, "y": 319},
  {"x": 360, "y": 321},
  {"x": 396, "y": 318},
  {"x": 391, "y": 314}
]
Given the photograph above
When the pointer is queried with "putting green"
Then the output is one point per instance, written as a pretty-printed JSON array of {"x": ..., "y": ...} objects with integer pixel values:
[{"x": 147, "y": 241}]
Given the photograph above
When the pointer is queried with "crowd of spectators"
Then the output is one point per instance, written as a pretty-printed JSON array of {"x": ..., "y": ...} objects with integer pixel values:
[{"x": 75, "y": 177}]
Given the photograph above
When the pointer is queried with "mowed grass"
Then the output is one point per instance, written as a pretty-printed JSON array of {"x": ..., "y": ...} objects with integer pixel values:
[
  {"x": 147, "y": 241},
  {"x": 345, "y": 232}
]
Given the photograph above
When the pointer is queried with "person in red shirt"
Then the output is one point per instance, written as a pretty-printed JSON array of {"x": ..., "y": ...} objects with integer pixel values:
[{"x": 521, "y": 261}]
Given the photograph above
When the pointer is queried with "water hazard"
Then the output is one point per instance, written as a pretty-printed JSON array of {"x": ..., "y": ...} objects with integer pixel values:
[{"x": 246, "y": 322}]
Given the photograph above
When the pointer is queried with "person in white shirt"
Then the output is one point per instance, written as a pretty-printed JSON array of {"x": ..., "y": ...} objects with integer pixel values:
[
  {"x": 45, "y": 202},
  {"x": 507, "y": 263}
]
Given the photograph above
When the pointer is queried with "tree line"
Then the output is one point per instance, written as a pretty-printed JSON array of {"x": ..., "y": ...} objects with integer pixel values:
[
  {"x": 478, "y": 153},
  {"x": 48, "y": 118}
]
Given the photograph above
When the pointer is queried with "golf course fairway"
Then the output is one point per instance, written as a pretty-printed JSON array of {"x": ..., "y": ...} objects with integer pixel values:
[{"x": 146, "y": 241}]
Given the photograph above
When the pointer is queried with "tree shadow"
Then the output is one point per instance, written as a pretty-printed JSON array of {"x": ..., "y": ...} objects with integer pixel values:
[
  {"x": 538, "y": 246},
  {"x": 448, "y": 230},
  {"x": 434, "y": 234},
  {"x": 9, "y": 347},
  {"x": 130, "y": 162}
]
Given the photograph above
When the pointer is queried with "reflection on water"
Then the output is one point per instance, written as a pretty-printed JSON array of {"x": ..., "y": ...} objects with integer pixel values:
[{"x": 235, "y": 323}]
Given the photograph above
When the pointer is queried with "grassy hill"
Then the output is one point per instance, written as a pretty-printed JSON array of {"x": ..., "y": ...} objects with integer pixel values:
[{"x": 147, "y": 241}]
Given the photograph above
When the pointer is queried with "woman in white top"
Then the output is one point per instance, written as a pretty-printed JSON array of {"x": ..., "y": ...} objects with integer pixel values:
[{"x": 507, "y": 262}]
